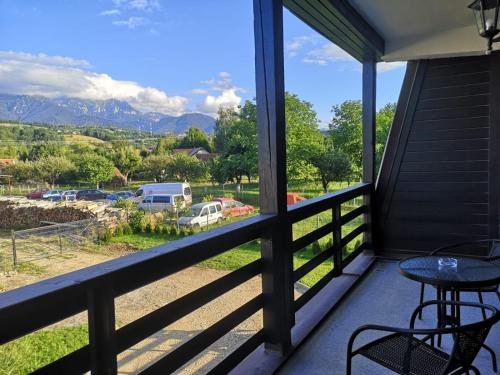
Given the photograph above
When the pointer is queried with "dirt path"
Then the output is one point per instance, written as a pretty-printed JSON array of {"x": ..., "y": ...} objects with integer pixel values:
[{"x": 140, "y": 302}]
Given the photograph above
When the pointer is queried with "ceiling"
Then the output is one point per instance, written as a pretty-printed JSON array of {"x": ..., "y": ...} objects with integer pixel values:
[{"x": 415, "y": 29}]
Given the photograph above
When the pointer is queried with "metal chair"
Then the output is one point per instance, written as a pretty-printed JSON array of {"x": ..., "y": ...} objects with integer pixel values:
[
  {"x": 405, "y": 354},
  {"x": 493, "y": 257}
]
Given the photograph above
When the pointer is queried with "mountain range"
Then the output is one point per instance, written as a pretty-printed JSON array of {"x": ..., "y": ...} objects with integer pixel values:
[{"x": 106, "y": 113}]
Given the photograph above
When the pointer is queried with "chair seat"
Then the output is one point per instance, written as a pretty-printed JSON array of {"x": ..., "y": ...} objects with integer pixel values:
[{"x": 406, "y": 355}]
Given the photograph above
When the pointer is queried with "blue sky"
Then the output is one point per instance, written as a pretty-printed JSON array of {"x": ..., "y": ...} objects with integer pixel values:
[{"x": 166, "y": 55}]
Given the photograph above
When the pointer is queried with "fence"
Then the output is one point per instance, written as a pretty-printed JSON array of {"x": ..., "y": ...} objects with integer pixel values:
[{"x": 54, "y": 239}]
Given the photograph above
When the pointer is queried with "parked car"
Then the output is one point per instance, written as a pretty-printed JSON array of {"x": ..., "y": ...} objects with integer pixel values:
[
  {"x": 182, "y": 188},
  {"x": 232, "y": 208},
  {"x": 91, "y": 195},
  {"x": 292, "y": 198},
  {"x": 67, "y": 195},
  {"x": 202, "y": 214},
  {"x": 120, "y": 195},
  {"x": 52, "y": 193},
  {"x": 37, "y": 194},
  {"x": 162, "y": 202}
]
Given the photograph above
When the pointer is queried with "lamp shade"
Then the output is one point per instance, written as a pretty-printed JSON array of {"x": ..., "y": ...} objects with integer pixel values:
[{"x": 486, "y": 16}]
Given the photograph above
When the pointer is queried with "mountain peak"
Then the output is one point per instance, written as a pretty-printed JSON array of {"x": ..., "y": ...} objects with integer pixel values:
[{"x": 111, "y": 112}]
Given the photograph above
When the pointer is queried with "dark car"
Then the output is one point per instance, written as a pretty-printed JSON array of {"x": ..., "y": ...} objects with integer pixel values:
[{"x": 91, "y": 195}]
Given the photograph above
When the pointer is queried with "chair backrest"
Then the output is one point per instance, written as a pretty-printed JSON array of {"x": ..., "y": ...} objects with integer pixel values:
[
  {"x": 495, "y": 248},
  {"x": 470, "y": 338}
]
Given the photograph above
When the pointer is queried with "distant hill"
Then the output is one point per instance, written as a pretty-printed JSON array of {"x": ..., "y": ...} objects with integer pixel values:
[{"x": 115, "y": 113}]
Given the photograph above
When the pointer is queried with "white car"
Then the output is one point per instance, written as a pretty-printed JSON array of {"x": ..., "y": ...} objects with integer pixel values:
[
  {"x": 69, "y": 195},
  {"x": 201, "y": 215},
  {"x": 162, "y": 202},
  {"x": 52, "y": 193}
]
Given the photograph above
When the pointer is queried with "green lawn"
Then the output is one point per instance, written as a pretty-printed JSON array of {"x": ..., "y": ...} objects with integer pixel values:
[{"x": 31, "y": 352}]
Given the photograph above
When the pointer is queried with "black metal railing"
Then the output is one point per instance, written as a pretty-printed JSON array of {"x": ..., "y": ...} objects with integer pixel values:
[{"x": 95, "y": 288}]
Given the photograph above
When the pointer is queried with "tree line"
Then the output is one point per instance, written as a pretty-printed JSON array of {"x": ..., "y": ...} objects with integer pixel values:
[{"x": 324, "y": 156}]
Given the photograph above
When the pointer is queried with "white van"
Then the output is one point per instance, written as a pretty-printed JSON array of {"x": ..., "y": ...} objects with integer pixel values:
[
  {"x": 176, "y": 188},
  {"x": 201, "y": 215},
  {"x": 162, "y": 202}
]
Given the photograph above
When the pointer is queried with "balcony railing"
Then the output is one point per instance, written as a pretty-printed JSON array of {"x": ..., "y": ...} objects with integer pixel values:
[{"x": 94, "y": 289}]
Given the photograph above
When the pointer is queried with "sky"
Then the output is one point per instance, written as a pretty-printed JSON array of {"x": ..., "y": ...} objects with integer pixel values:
[{"x": 167, "y": 56}]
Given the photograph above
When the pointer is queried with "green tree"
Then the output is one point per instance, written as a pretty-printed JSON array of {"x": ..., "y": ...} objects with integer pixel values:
[
  {"x": 186, "y": 168},
  {"x": 217, "y": 172},
  {"x": 155, "y": 167},
  {"x": 195, "y": 138},
  {"x": 46, "y": 149},
  {"x": 226, "y": 117},
  {"x": 22, "y": 171},
  {"x": 125, "y": 157},
  {"x": 385, "y": 115},
  {"x": 165, "y": 145},
  {"x": 95, "y": 169},
  {"x": 332, "y": 166},
  {"x": 51, "y": 168},
  {"x": 346, "y": 132},
  {"x": 303, "y": 137}
]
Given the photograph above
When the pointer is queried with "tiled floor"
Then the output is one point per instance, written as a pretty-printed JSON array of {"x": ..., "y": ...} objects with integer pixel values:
[{"x": 383, "y": 297}]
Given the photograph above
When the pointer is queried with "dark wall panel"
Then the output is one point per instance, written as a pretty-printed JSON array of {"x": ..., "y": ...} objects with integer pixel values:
[{"x": 438, "y": 179}]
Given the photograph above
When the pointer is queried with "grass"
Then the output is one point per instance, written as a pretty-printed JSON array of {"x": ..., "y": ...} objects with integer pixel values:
[
  {"x": 31, "y": 269},
  {"x": 38, "y": 349}
]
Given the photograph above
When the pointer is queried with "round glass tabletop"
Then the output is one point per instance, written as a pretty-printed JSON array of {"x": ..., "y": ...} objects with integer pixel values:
[{"x": 450, "y": 272}]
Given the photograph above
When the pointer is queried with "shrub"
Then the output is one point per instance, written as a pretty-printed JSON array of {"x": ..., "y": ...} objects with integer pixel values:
[
  {"x": 158, "y": 229},
  {"x": 191, "y": 232},
  {"x": 148, "y": 228},
  {"x": 166, "y": 230},
  {"x": 119, "y": 231},
  {"x": 182, "y": 232},
  {"x": 316, "y": 248},
  {"x": 136, "y": 220},
  {"x": 108, "y": 235},
  {"x": 127, "y": 230},
  {"x": 208, "y": 198},
  {"x": 173, "y": 230},
  {"x": 329, "y": 244}
]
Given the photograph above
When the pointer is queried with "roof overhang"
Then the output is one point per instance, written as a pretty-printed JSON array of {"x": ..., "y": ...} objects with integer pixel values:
[{"x": 417, "y": 29}]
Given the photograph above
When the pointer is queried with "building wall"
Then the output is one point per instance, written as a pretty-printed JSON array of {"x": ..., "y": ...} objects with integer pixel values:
[{"x": 438, "y": 182}]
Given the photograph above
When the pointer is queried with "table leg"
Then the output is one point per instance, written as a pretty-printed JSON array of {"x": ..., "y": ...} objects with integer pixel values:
[{"x": 439, "y": 313}]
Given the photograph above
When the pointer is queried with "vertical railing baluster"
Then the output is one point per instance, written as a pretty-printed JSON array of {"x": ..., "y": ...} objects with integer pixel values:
[
  {"x": 337, "y": 239},
  {"x": 101, "y": 316}
]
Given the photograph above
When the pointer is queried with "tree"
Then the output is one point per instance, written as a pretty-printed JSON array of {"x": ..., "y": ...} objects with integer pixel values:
[
  {"x": 217, "y": 171},
  {"x": 303, "y": 137},
  {"x": 195, "y": 138},
  {"x": 186, "y": 168},
  {"x": 165, "y": 145},
  {"x": 125, "y": 157},
  {"x": 385, "y": 115},
  {"x": 44, "y": 150},
  {"x": 95, "y": 169},
  {"x": 51, "y": 168},
  {"x": 155, "y": 166},
  {"x": 22, "y": 171},
  {"x": 346, "y": 132},
  {"x": 332, "y": 166},
  {"x": 226, "y": 117}
]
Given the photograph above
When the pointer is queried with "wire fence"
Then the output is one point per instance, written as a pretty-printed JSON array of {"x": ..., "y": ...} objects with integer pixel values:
[{"x": 53, "y": 239}]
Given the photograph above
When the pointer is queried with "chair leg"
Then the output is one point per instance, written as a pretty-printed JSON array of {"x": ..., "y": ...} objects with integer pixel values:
[
  {"x": 483, "y": 311},
  {"x": 493, "y": 357},
  {"x": 422, "y": 288},
  {"x": 498, "y": 294},
  {"x": 474, "y": 370},
  {"x": 348, "y": 366}
]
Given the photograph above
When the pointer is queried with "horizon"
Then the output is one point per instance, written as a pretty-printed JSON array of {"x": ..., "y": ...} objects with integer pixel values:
[{"x": 160, "y": 36}]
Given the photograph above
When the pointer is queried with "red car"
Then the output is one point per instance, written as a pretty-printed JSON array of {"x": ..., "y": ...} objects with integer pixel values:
[
  {"x": 37, "y": 194},
  {"x": 292, "y": 198},
  {"x": 232, "y": 208}
]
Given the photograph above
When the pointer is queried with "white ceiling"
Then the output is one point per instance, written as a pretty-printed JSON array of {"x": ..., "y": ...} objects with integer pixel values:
[{"x": 415, "y": 29}]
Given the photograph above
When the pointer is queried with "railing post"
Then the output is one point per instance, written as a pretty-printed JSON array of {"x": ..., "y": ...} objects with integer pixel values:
[
  {"x": 14, "y": 252},
  {"x": 101, "y": 316},
  {"x": 277, "y": 281},
  {"x": 337, "y": 239}
]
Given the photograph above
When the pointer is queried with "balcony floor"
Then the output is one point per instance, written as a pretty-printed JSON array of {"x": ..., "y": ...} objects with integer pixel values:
[{"x": 382, "y": 297}]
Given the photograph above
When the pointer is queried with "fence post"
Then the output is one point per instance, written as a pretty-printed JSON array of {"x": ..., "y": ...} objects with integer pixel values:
[
  {"x": 102, "y": 341},
  {"x": 60, "y": 241},
  {"x": 14, "y": 253},
  {"x": 337, "y": 240}
]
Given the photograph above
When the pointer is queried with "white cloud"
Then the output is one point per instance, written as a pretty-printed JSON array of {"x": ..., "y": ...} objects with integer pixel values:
[
  {"x": 199, "y": 91},
  {"x": 26, "y": 74},
  {"x": 327, "y": 53},
  {"x": 293, "y": 47},
  {"x": 145, "y": 5},
  {"x": 111, "y": 12},
  {"x": 132, "y": 22},
  {"x": 227, "y": 94},
  {"x": 388, "y": 66},
  {"x": 42, "y": 58}
]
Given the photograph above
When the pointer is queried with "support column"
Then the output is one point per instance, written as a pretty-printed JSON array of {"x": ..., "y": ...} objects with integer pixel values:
[
  {"x": 369, "y": 141},
  {"x": 277, "y": 279}
]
